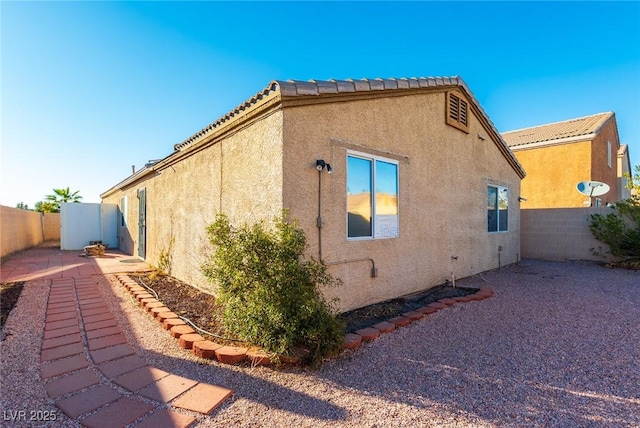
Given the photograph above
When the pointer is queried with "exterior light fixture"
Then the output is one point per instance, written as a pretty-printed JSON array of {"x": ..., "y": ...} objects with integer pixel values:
[
  {"x": 521, "y": 199},
  {"x": 321, "y": 164}
]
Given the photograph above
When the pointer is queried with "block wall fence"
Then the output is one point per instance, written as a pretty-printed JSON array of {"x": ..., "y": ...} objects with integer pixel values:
[
  {"x": 22, "y": 229},
  {"x": 560, "y": 234}
]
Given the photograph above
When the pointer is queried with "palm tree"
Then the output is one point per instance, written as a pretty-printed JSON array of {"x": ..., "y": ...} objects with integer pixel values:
[{"x": 63, "y": 196}]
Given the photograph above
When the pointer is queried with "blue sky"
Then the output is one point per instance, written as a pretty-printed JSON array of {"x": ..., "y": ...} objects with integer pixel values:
[{"x": 91, "y": 88}]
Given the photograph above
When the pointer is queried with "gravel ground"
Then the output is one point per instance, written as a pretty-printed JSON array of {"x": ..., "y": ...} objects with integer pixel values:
[{"x": 558, "y": 345}]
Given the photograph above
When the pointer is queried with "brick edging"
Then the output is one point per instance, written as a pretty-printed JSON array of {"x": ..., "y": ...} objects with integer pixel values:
[
  {"x": 208, "y": 349},
  {"x": 355, "y": 339}
]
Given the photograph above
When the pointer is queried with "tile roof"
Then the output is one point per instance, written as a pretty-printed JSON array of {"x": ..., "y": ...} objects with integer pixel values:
[
  {"x": 582, "y": 127},
  {"x": 296, "y": 88},
  {"x": 314, "y": 88}
]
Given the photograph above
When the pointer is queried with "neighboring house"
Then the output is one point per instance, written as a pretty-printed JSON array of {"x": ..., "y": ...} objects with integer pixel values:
[
  {"x": 625, "y": 172},
  {"x": 558, "y": 156},
  {"x": 422, "y": 186}
]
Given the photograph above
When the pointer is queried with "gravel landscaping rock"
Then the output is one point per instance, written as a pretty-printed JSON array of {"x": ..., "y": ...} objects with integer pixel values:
[{"x": 558, "y": 345}]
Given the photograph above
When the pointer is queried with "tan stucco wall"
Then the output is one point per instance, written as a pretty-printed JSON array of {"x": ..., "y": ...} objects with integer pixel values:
[
  {"x": 443, "y": 181},
  {"x": 561, "y": 234},
  {"x": 51, "y": 225},
  {"x": 20, "y": 229},
  {"x": 240, "y": 176},
  {"x": 600, "y": 169},
  {"x": 553, "y": 173}
]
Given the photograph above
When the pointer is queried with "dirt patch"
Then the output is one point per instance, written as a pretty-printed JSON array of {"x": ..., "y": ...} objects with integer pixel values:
[
  {"x": 201, "y": 309},
  {"x": 185, "y": 300},
  {"x": 9, "y": 294}
]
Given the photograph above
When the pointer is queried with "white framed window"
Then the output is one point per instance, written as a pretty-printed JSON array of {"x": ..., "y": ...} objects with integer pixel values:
[
  {"x": 609, "y": 156},
  {"x": 372, "y": 197},
  {"x": 497, "y": 209}
]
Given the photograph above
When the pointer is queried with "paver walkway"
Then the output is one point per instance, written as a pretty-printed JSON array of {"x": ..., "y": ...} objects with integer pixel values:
[{"x": 88, "y": 368}]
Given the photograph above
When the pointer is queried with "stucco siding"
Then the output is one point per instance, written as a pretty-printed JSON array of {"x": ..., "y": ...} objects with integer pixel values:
[
  {"x": 240, "y": 176},
  {"x": 600, "y": 167},
  {"x": 443, "y": 178},
  {"x": 553, "y": 173}
]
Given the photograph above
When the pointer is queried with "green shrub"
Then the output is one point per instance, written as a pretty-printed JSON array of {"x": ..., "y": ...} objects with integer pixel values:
[
  {"x": 620, "y": 229},
  {"x": 268, "y": 291}
]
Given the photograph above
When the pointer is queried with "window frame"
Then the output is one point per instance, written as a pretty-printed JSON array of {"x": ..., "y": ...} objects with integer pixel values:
[
  {"x": 373, "y": 159},
  {"x": 498, "y": 188}
]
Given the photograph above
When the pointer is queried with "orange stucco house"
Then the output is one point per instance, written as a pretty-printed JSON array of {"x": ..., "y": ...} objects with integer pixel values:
[{"x": 557, "y": 156}]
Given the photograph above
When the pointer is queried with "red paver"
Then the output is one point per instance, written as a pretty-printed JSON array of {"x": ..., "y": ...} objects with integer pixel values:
[
  {"x": 163, "y": 316},
  {"x": 61, "y": 305},
  {"x": 60, "y": 324},
  {"x": 87, "y": 296},
  {"x": 178, "y": 330},
  {"x": 61, "y": 332},
  {"x": 463, "y": 299},
  {"x": 55, "y": 311},
  {"x": 62, "y": 299},
  {"x": 258, "y": 357},
  {"x": 155, "y": 311},
  {"x": 427, "y": 310},
  {"x": 71, "y": 383},
  {"x": 100, "y": 324},
  {"x": 90, "y": 301},
  {"x": 437, "y": 305},
  {"x": 477, "y": 296},
  {"x": 66, "y": 365},
  {"x": 88, "y": 401},
  {"x": 172, "y": 322},
  {"x": 142, "y": 296},
  {"x": 139, "y": 378},
  {"x": 352, "y": 341},
  {"x": 118, "y": 414},
  {"x": 167, "y": 418},
  {"x": 400, "y": 321},
  {"x": 111, "y": 353},
  {"x": 61, "y": 316},
  {"x": 231, "y": 354},
  {"x": 120, "y": 366},
  {"x": 95, "y": 318},
  {"x": 203, "y": 398},
  {"x": 147, "y": 300},
  {"x": 106, "y": 341},
  {"x": 368, "y": 333},
  {"x": 93, "y": 305},
  {"x": 413, "y": 315},
  {"x": 152, "y": 305},
  {"x": 206, "y": 349},
  {"x": 384, "y": 327},
  {"x": 187, "y": 340},
  {"x": 101, "y": 332},
  {"x": 167, "y": 388},
  {"x": 61, "y": 340},
  {"x": 95, "y": 311},
  {"x": 61, "y": 352},
  {"x": 448, "y": 302}
]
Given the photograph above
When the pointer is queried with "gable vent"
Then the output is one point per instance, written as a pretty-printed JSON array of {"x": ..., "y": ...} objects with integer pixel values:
[{"x": 457, "y": 112}]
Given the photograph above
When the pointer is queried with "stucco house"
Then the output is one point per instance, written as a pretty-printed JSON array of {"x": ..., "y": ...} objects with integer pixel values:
[
  {"x": 422, "y": 186},
  {"x": 625, "y": 172},
  {"x": 557, "y": 156}
]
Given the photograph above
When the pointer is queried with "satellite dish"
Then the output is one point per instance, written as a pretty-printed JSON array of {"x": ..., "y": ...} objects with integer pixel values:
[{"x": 592, "y": 188}]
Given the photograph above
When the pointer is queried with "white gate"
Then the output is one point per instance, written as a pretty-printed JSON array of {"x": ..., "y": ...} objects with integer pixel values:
[{"x": 82, "y": 223}]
